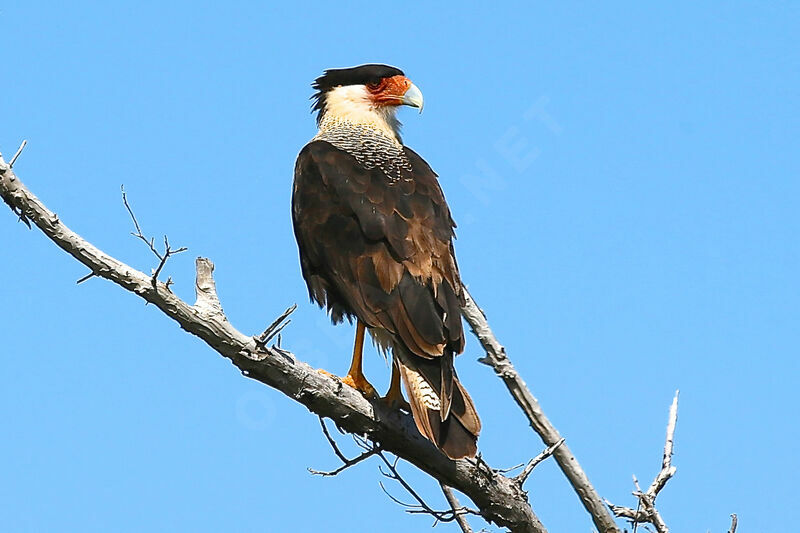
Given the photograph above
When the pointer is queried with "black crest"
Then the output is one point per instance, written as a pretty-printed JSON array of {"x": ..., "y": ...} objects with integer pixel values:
[{"x": 337, "y": 77}]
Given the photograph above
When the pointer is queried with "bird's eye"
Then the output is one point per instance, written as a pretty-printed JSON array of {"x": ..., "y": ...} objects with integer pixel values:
[{"x": 373, "y": 86}]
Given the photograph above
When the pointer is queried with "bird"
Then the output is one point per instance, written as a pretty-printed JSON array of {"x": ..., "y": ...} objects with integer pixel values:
[{"x": 375, "y": 239}]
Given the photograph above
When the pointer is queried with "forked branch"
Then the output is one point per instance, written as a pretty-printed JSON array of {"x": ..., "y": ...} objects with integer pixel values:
[
  {"x": 450, "y": 515},
  {"x": 163, "y": 257},
  {"x": 461, "y": 519},
  {"x": 455, "y": 513},
  {"x": 369, "y": 451},
  {"x": 646, "y": 511},
  {"x": 533, "y": 463}
]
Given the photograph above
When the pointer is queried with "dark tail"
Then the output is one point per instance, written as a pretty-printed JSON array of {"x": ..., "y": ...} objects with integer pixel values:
[{"x": 442, "y": 409}]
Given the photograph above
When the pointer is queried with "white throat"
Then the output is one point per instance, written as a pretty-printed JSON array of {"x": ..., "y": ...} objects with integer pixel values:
[{"x": 352, "y": 103}]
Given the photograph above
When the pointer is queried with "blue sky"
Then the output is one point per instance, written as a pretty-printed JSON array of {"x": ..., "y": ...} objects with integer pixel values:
[{"x": 625, "y": 178}]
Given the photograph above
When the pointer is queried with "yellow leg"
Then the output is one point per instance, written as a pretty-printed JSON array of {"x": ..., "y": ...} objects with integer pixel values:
[
  {"x": 355, "y": 376},
  {"x": 394, "y": 397}
]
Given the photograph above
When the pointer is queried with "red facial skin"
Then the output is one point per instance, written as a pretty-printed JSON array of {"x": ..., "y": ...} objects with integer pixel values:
[{"x": 389, "y": 91}]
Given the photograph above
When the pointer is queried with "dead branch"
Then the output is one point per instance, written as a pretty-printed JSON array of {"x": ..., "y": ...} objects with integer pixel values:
[
  {"x": 275, "y": 327},
  {"x": 734, "y": 523},
  {"x": 510, "y": 468},
  {"x": 497, "y": 358},
  {"x": 547, "y": 452},
  {"x": 499, "y": 500},
  {"x": 456, "y": 512},
  {"x": 667, "y": 470},
  {"x": 420, "y": 507},
  {"x": 461, "y": 520},
  {"x": 162, "y": 257},
  {"x": 369, "y": 451},
  {"x": 16, "y": 155},
  {"x": 646, "y": 511},
  {"x": 87, "y": 277}
]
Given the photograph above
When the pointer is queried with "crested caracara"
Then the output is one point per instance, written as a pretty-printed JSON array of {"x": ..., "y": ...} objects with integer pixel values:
[{"x": 376, "y": 244}]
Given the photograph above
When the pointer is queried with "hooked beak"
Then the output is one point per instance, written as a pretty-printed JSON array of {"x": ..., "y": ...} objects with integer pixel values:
[{"x": 413, "y": 97}]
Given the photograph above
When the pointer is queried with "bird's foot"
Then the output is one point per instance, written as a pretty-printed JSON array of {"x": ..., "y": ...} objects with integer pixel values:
[
  {"x": 326, "y": 373},
  {"x": 394, "y": 400},
  {"x": 360, "y": 383}
]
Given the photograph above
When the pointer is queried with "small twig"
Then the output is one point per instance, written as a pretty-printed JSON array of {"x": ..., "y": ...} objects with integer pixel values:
[
  {"x": 456, "y": 511},
  {"x": 547, "y": 452},
  {"x": 162, "y": 258},
  {"x": 138, "y": 234},
  {"x": 347, "y": 464},
  {"x": 332, "y": 442},
  {"x": 87, "y": 277},
  {"x": 275, "y": 328},
  {"x": 21, "y": 217},
  {"x": 395, "y": 500},
  {"x": 392, "y": 466},
  {"x": 369, "y": 451},
  {"x": 639, "y": 513},
  {"x": 640, "y": 516},
  {"x": 168, "y": 252},
  {"x": 509, "y": 469},
  {"x": 634, "y": 516},
  {"x": 16, "y": 155},
  {"x": 734, "y": 523},
  {"x": 420, "y": 507},
  {"x": 455, "y": 506}
]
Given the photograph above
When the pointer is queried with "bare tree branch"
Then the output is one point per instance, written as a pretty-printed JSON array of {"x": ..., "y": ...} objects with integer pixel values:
[
  {"x": 16, "y": 155},
  {"x": 138, "y": 234},
  {"x": 275, "y": 328},
  {"x": 456, "y": 512},
  {"x": 646, "y": 511},
  {"x": 369, "y": 451},
  {"x": 510, "y": 468},
  {"x": 168, "y": 252},
  {"x": 496, "y": 358},
  {"x": 500, "y": 500},
  {"x": 450, "y": 496},
  {"x": 420, "y": 507},
  {"x": 87, "y": 277},
  {"x": 734, "y": 523},
  {"x": 547, "y": 452},
  {"x": 162, "y": 257},
  {"x": 667, "y": 470}
]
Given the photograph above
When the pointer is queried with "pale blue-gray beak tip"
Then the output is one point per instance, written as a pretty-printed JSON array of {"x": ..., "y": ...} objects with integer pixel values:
[{"x": 413, "y": 97}]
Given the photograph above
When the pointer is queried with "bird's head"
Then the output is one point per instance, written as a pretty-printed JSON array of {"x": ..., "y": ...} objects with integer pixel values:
[{"x": 367, "y": 94}]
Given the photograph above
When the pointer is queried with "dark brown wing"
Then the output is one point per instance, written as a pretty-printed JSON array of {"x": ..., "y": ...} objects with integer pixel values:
[
  {"x": 377, "y": 249},
  {"x": 381, "y": 250}
]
